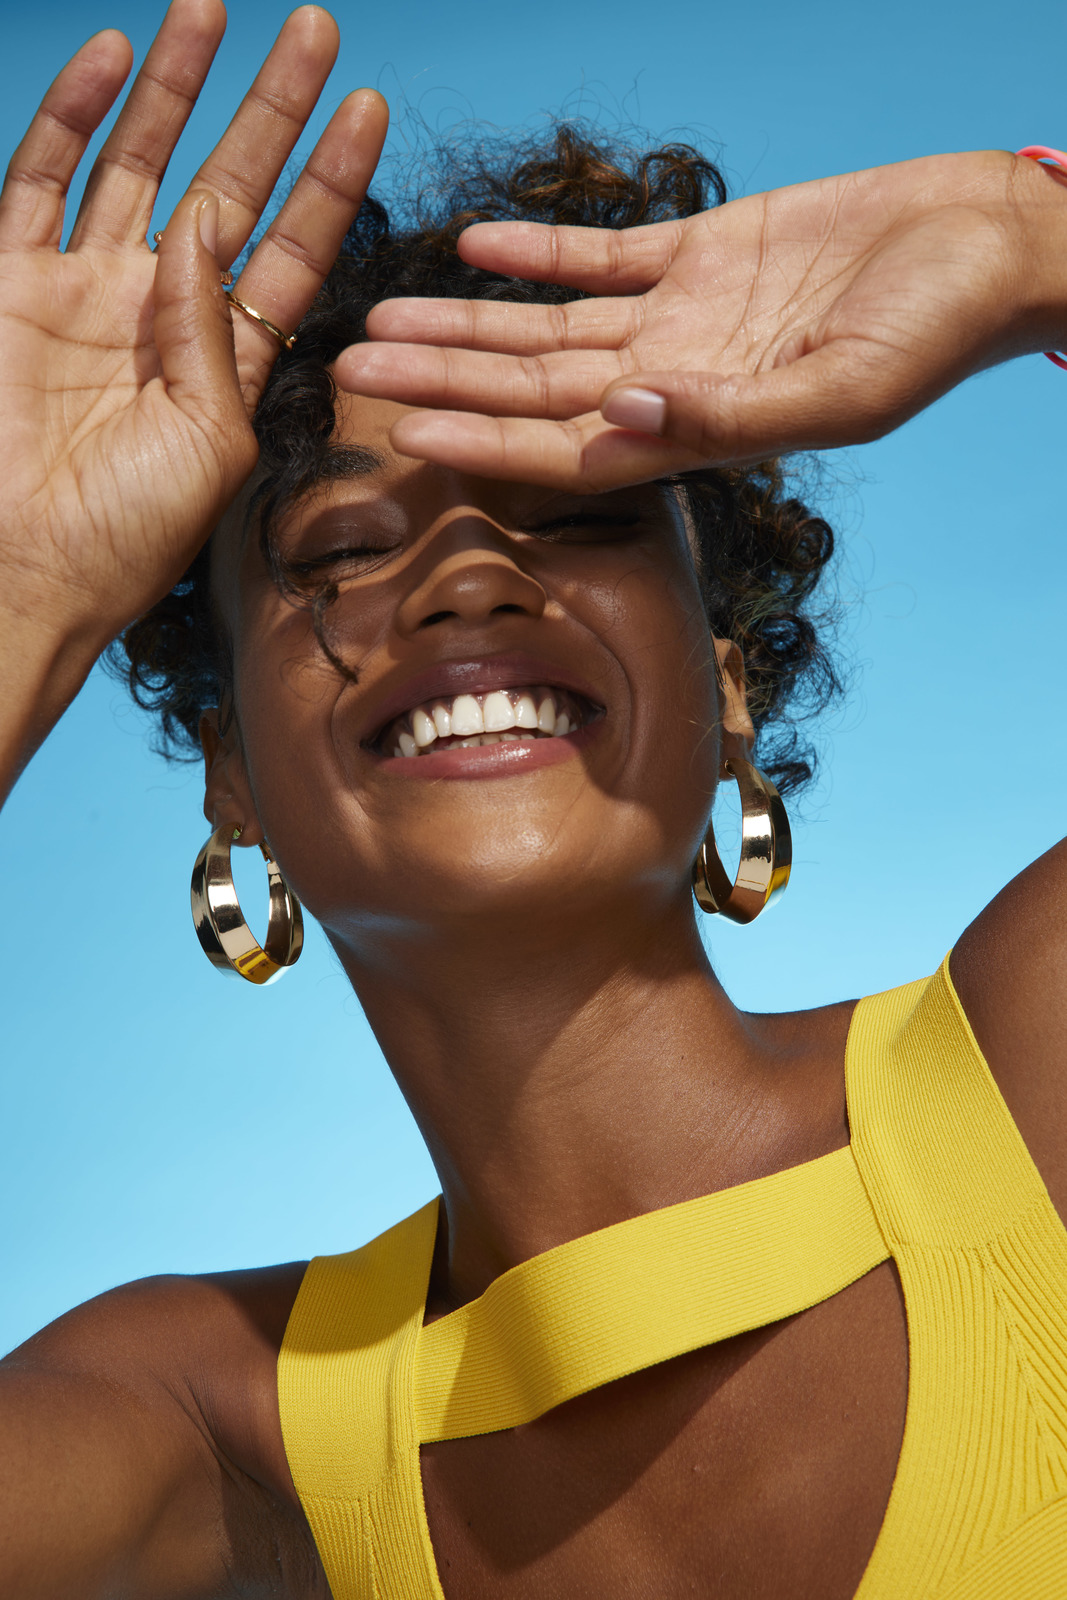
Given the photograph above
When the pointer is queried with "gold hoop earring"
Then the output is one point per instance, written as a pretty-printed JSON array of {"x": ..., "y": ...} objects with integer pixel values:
[
  {"x": 766, "y": 852},
  {"x": 227, "y": 940}
]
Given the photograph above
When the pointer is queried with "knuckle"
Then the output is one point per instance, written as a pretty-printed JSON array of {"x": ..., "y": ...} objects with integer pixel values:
[
  {"x": 231, "y": 185},
  {"x": 328, "y": 182},
  {"x": 504, "y": 450},
  {"x": 141, "y": 165},
  {"x": 616, "y": 251},
  {"x": 292, "y": 248},
  {"x": 448, "y": 369},
  {"x": 65, "y": 122},
  {"x": 182, "y": 84},
  {"x": 276, "y": 104},
  {"x": 35, "y": 177},
  {"x": 538, "y": 385}
]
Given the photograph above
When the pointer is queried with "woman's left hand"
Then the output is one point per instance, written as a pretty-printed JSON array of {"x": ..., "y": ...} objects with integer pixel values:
[{"x": 806, "y": 318}]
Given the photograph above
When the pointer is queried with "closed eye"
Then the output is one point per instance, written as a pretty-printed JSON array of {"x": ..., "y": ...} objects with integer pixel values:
[
  {"x": 588, "y": 524},
  {"x": 362, "y": 555}
]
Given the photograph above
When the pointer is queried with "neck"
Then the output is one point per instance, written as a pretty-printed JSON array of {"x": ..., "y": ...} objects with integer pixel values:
[{"x": 558, "y": 1095}]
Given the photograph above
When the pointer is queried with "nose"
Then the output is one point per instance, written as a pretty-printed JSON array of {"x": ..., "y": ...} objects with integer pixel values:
[{"x": 468, "y": 575}]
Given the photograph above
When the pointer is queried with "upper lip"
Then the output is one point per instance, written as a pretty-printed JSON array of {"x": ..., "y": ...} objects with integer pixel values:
[{"x": 472, "y": 675}]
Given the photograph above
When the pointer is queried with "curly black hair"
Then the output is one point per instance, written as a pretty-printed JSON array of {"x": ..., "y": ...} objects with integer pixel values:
[{"x": 760, "y": 550}]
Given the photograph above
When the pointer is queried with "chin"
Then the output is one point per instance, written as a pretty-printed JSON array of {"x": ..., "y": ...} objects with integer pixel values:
[{"x": 500, "y": 880}]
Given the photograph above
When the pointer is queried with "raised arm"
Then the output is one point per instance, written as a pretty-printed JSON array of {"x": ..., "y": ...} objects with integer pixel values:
[
  {"x": 126, "y": 380},
  {"x": 806, "y": 318},
  {"x": 125, "y": 395}
]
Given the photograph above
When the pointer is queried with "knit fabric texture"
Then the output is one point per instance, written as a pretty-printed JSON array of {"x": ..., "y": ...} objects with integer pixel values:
[{"x": 936, "y": 1177}]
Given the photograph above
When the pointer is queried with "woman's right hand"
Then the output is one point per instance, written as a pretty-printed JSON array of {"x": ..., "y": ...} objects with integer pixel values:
[{"x": 126, "y": 381}]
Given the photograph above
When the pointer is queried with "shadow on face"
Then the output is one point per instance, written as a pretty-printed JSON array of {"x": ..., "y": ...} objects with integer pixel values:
[{"x": 469, "y": 695}]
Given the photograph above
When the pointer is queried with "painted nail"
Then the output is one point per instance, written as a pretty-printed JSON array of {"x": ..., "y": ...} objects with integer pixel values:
[
  {"x": 209, "y": 223},
  {"x": 640, "y": 409}
]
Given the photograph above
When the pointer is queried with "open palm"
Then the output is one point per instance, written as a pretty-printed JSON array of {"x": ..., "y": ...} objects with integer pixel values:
[
  {"x": 114, "y": 450},
  {"x": 808, "y": 317},
  {"x": 128, "y": 382}
]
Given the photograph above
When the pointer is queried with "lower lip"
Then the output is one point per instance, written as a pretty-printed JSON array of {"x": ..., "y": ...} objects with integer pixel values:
[{"x": 507, "y": 760}]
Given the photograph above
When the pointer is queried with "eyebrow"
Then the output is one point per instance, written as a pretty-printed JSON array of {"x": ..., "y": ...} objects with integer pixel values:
[
  {"x": 332, "y": 463},
  {"x": 342, "y": 461}
]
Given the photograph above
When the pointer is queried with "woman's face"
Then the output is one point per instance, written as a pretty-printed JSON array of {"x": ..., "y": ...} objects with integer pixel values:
[{"x": 464, "y": 605}]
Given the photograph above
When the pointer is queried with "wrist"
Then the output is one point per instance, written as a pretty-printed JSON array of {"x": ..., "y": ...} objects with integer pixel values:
[
  {"x": 1039, "y": 196},
  {"x": 42, "y": 668}
]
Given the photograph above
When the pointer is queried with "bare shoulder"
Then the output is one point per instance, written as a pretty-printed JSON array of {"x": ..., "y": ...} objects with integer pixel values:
[
  {"x": 1010, "y": 971},
  {"x": 146, "y": 1424},
  {"x": 235, "y": 1325},
  {"x": 206, "y": 1345}
]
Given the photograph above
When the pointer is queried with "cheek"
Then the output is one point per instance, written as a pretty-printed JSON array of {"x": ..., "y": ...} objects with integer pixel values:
[
  {"x": 286, "y": 692},
  {"x": 348, "y": 846},
  {"x": 670, "y": 661}
]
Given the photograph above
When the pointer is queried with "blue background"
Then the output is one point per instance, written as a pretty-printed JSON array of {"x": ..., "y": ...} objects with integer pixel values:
[{"x": 158, "y": 1118}]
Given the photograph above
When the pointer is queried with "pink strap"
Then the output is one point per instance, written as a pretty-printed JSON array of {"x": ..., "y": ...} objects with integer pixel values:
[{"x": 1045, "y": 152}]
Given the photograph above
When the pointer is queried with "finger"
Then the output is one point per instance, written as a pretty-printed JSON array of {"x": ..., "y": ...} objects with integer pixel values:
[
  {"x": 121, "y": 191},
  {"x": 847, "y": 392},
  {"x": 195, "y": 342},
  {"x": 504, "y": 326},
  {"x": 249, "y": 159},
  {"x": 35, "y": 189},
  {"x": 557, "y": 385},
  {"x": 584, "y": 455},
  {"x": 600, "y": 260},
  {"x": 286, "y": 270}
]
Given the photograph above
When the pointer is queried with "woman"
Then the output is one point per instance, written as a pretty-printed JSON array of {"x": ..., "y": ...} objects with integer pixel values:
[{"x": 654, "y": 1339}]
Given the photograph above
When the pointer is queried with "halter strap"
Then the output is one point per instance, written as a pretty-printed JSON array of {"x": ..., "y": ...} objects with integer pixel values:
[
  {"x": 642, "y": 1291},
  {"x": 362, "y": 1381}
]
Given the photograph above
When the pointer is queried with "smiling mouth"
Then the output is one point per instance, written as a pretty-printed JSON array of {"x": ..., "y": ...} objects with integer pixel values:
[{"x": 457, "y": 722}]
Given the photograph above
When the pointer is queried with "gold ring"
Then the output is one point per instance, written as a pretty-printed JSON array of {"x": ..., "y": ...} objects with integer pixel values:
[
  {"x": 225, "y": 277},
  {"x": 286, "y": 340}
]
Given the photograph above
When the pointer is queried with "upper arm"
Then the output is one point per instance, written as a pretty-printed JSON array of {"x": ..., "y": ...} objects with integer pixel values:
[
  {"x": 1010, "y": 971},
  {"x": 110, "y": 1481}
]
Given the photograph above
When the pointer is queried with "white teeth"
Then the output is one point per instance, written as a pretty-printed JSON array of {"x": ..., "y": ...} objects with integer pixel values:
[
  {"x": 498, "y": 712},
  {"x": 467, "y": 715},
  {"x": 423, "y": 728},
  {"x": 546, "y": 715},
  {"x": 498, "y": 715},
  {"x": 525, "y": 712}
]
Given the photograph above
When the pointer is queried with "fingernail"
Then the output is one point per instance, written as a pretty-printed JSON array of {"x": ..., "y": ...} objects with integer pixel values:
[
  {"x": 209, "y": 223},
  {"x": 640, "y": 409}
]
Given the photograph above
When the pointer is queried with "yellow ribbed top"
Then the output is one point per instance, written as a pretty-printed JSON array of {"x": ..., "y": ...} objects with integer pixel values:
[{"x": 936, "y": 1176}]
